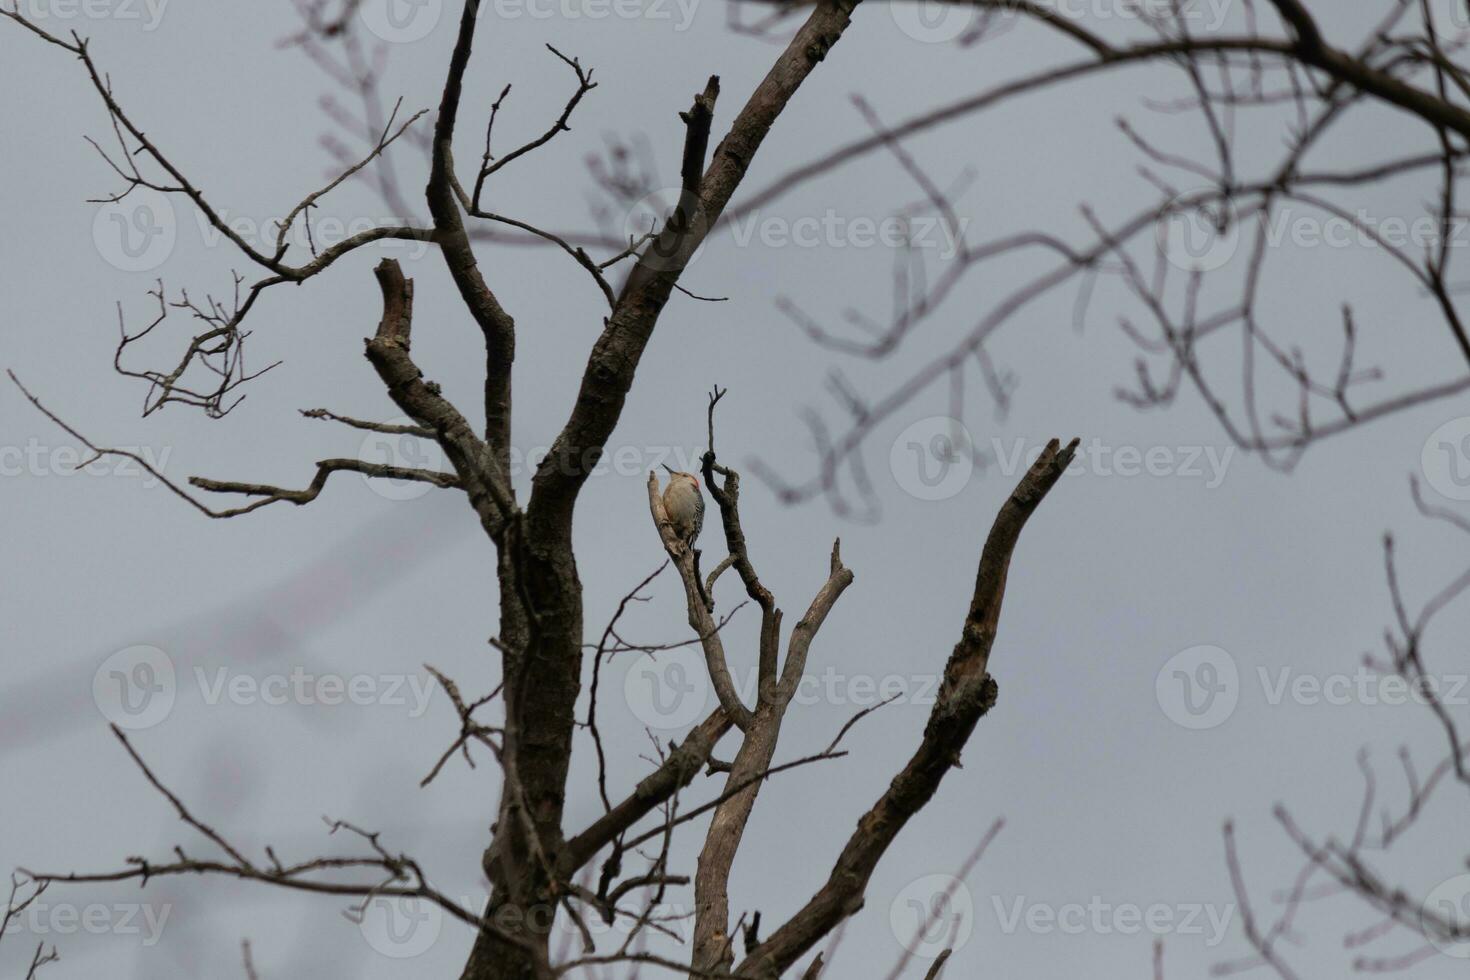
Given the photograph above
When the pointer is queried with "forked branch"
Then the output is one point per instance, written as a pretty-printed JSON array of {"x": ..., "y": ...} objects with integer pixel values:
[{"x": 966, "y": 694}]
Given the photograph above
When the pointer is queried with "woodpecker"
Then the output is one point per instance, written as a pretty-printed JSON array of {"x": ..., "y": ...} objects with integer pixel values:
[{"x": 685, "y": 506}]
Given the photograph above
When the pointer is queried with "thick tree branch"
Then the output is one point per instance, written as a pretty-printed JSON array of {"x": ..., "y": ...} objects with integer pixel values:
[
  {"x": 965, "y": 695},
  {"x": 388, "y": 351},
  {"x": 700, "y": 618},
  {"x": 616, "y": 355},
  {"x": 1301, "y": 22},
  {"x": 495, "y": 323},
  {"x": 839, "y": 578},
  {"x": 676, "y": 772},
  {"x": 713, "y": 944},
  {"x": 727, "y": 497},
  {"x": 324, "y": 469}
]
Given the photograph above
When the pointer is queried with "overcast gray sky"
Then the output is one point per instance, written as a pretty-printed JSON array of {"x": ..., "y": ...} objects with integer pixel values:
[{"x": 1113, "y": 792}]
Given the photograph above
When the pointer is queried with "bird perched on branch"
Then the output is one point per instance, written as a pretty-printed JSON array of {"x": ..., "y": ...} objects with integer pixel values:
[{"x": 684, "y": 503}]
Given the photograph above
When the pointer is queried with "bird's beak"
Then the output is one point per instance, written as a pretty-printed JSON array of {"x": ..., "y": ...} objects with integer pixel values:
[{"x": 666, "y": 467}]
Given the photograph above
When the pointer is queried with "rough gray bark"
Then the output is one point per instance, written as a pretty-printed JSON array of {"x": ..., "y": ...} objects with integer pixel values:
[{"x": 533, "y": 859}]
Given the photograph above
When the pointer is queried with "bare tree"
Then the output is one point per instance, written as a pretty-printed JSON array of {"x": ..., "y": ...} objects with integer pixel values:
[{"x": 539, "y": 868}]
